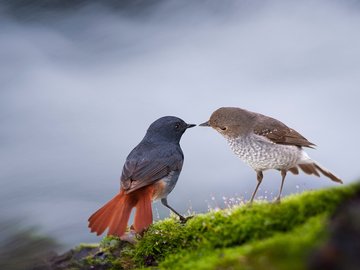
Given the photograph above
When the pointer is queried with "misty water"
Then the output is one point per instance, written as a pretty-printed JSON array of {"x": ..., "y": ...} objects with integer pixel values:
[{"x": 79, "y": 89}]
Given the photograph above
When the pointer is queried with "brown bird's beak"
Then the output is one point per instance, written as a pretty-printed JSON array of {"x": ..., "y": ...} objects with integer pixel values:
[
  {"x": 206, "y": 124},
  {"x": 190, "y": 125}
]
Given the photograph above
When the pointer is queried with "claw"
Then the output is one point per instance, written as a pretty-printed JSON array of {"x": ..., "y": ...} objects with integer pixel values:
[
  {"x": 183, "y": 220},
  {"x": 277, "y": 200}
]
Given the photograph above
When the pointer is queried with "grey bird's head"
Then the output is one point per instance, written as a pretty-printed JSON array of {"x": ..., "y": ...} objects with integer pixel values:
[
  {"x": 231, "y": 121},
  {"x": 167, "y": 128}
]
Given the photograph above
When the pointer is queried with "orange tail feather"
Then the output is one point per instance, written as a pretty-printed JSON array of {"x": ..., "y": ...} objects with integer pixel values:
[
  {"x": 101, "y": 219},
  {"x": 143, "y": 215},
  {"x": 115, "y": 214}
]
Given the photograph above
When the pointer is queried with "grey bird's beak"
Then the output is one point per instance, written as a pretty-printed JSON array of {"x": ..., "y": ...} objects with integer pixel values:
[
  {"x": 206, "y": 124},
  {"x": 190, "y": 125}
]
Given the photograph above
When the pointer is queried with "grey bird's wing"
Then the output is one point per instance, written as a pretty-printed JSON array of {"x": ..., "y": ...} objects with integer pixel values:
[
  {"x": 148, "y": 163},
  {"x": 279, "y": 133}
]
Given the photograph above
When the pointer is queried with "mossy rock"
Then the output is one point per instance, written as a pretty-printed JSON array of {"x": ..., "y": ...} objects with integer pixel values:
[{"x": 264, "y": 235}]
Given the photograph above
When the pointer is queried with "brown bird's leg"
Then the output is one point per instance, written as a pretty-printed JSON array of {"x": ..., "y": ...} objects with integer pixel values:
[
  {"x": 283, "y": 175},
  {"x": 165, "y": 203},
  {"x": 259, "y": 178}
]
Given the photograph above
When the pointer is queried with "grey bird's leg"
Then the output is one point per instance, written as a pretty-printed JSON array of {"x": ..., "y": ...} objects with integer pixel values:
[
  {"x": 259, "y": 178},
  {"x": 283, "y": 175},
  {"x": 165, "y": 203}
]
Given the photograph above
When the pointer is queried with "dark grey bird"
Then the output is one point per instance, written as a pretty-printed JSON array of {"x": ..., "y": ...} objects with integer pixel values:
[
  {"x": 265, "y": 143},
  {"x": 150, "y": 172}
]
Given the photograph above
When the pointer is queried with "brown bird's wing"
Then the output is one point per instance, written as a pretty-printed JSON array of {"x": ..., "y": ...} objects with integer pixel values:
[
  {"x": 147, "y": 167},
  {"x": 279, "y": 133}
]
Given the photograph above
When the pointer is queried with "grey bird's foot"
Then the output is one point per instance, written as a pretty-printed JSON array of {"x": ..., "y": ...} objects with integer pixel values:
[
  {"x": 259, "y": 178},
  {"x": 277, "y": 200},
  {"x": 183, "y": 220}
]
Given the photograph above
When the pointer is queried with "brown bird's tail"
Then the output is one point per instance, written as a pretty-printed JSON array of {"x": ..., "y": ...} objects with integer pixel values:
[
  {"x": 314, "y": 168},
  {"x": 116, "y": 213}
]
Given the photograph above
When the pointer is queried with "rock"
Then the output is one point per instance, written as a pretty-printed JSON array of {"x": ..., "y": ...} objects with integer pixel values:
[{"x": 342, "y": 250}]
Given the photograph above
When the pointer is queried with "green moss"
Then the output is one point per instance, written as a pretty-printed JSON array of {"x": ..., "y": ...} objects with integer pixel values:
[
  {"x": 112, "y": 254},
  {"x": 83, "y": 246},
  {"x": 287, "y": 250},
  {"x": 261, "y": 236},
  {"x": 235, "y": 227}
]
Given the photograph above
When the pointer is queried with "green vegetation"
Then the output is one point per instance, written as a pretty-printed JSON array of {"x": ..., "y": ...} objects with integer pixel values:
[
  {"x": 279, "y": 251},
  {"x": 275, "y": 236}
]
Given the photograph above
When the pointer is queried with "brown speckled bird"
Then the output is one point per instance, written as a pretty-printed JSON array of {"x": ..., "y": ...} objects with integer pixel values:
[{"x": 265, "y": 143}]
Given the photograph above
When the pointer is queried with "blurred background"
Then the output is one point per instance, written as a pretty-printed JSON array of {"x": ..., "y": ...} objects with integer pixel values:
[{"x": 80, "y": 84}]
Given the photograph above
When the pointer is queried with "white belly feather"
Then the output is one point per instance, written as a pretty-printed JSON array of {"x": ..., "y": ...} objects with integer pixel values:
[{"x": 262, "y": 154}]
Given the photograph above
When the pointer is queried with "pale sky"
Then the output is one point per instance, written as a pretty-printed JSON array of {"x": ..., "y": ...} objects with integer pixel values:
[{"x": 78, "y": 92}]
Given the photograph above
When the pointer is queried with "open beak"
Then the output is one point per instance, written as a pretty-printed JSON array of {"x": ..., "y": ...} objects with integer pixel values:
[
  {"x": 206, "y": 124},
  {"x": 190, "y": 125}
]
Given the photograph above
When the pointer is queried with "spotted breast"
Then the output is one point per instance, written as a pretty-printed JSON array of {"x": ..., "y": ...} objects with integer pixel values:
[{"x": 262, "y": 154}]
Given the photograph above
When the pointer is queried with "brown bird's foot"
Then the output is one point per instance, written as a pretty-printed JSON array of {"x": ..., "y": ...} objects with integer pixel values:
[{"x": 183, "y": 220}]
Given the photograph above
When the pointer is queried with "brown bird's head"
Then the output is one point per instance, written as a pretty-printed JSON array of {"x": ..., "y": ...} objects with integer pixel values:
[{"x": 231, "y": 121}]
